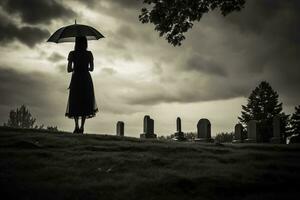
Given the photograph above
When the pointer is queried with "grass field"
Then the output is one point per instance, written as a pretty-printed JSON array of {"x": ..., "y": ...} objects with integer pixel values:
[{"x": 41, "y": 165}]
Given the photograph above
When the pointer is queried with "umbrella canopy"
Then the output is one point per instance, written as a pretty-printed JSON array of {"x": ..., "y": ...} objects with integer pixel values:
[{"x": 69, "y": 33}]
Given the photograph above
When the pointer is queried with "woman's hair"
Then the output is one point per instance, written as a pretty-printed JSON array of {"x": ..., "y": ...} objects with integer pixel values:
[{"x": 81, "y": 44}]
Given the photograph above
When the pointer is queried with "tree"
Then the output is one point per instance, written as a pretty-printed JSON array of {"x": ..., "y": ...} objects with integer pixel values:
[
  {"x": 263, "y": 106},
  {"x": 52, "y": 128},
  {"x": 190, "y": 135},
  {"x": 20, "y": 118},
  {"x": 224, "y": 137},
  {"x": 173, "y": 18},
  {"x": 295, "y": 121}
]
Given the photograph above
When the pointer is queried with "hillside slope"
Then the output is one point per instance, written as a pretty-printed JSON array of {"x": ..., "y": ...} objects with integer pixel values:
[{"x": 41, "y": 165}]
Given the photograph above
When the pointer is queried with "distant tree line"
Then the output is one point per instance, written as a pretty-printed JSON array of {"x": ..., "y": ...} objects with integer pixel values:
[
  {"x": 224, "y": 137},
  {"x": 188, "y": 136},
  {"x": 22, "y": 118}
]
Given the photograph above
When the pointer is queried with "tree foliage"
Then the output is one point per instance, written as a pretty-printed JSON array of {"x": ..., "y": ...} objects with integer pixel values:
[
  {"x": 295, "y": 121},
  {"x": 52, "y": 128},
  {"x": 173, "y": 18},
  {"x": 263, "y": 106},
  {"x": 20, "y": 118},
  {"x": 190, "y": 135},
  {"x": 224, "y": 137}
]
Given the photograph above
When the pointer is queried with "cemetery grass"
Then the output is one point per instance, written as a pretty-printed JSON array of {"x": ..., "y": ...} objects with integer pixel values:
[{"x": 41, "y": 165}]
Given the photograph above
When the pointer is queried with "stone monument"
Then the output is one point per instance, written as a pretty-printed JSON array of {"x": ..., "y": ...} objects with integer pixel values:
[
  {"x": 276, "y": 139},
  {"x": 238, "y": 133},
  {"x": 120, "y": 128},
  {"x": 148, "y": 128},
  {"x": 179, "y": 135},
  {"x": 252, "y": 131},
  {"x": 204, "y": 131}
]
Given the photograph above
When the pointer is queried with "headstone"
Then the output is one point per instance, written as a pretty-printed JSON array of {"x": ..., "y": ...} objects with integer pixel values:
[
  {"x": 276, "y": 130},
  {"x": 120, "y": 128},
  {"x": 178, "y": 124},
  {"x": 252, "y": 131},
  {"x": 148, "y": 128},
  {"x": 179, "y": 135},
  {"x": 238, "y": 133},
  {"x": 204, "y": 131}
]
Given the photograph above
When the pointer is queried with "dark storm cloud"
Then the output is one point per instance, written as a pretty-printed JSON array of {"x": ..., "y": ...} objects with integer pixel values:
[
  {"x": 126, "y": 32},
  {"x": 62, "y": 68},
  {"x": 37, "y": 11},
  {"x": 270, "y": 16},
  {"x": 89, "y": 3},
  {"x": 129, "y": 3},
  {"x": 131, "y": 33},
  {"x": 277, "y": 23},
  {"x": 259, "y": 43},
  {"x": 19, "y": 88},
  {"x": 199, "y": 64},
  {"x": 43, "y": 93},
  {"x": 55, "y": 57},
  {"x": 109, "y": 71},
  {"x": 25, "y": 34},
  {"x": 157, "y": 69},
  {"x": 120, "y": 3},
  {"x": 116, "y": 45},
  {"x": 187, "y": 89}
]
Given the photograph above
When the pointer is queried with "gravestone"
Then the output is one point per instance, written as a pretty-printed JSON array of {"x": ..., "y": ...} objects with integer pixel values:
[
  {"x": 276, "y": 130},
  {"x": 120, "y": 128},
  {"x": 238, "y": 133},
  {"x": 179, "y": 135},
  {"x": 252, "y": 131},
  {"x": 204, "y": 131},
  {"x": 148, "y": 128}
]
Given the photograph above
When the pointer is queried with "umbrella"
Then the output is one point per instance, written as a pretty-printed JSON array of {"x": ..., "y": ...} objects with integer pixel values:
[{"x": 69, "y": 33}]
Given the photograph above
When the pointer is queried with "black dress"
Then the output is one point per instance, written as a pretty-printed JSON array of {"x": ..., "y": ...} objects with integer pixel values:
[{"x": 82, "y": 102}]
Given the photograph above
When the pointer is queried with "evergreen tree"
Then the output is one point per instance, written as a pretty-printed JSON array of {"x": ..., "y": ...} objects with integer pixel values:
[
  {"x": 20, "y": 118},
  {"x": 262, "y": 106},
  {"x": 295, "y": 121}
]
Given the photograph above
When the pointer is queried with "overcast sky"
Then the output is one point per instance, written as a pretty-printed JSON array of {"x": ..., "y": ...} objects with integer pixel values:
[{"x": 138, "y": 73}]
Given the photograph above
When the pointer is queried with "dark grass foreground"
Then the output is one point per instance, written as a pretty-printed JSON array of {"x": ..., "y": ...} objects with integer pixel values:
[{"x": 41, "y": 165}]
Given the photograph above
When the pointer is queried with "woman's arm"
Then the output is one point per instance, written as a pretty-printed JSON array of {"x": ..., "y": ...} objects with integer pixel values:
[
  {"x": 70, "y": 69},
  {"x": 91, "y": 68},
  {"x": 70, "y": 60}
]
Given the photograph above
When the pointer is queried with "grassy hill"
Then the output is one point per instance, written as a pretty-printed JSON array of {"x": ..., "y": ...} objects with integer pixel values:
[{"x": 42, "y": 165}]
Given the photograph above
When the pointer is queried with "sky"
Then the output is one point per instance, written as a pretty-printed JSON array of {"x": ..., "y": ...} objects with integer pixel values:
[{"x": 138, "y": 73}]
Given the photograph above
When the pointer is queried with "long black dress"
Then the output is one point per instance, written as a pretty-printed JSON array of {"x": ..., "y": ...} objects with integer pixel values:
[{"x": 82, "y": 102}]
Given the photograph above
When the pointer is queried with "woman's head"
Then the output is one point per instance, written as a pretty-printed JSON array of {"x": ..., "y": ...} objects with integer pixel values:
[{"x": 80, "y": 43}]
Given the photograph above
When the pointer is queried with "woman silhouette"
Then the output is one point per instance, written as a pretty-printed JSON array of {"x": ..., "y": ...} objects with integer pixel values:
[{"x": 81, "y": 103}]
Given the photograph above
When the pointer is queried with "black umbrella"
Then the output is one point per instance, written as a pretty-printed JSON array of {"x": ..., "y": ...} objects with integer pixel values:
[{"x": 69, "y": 33}]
